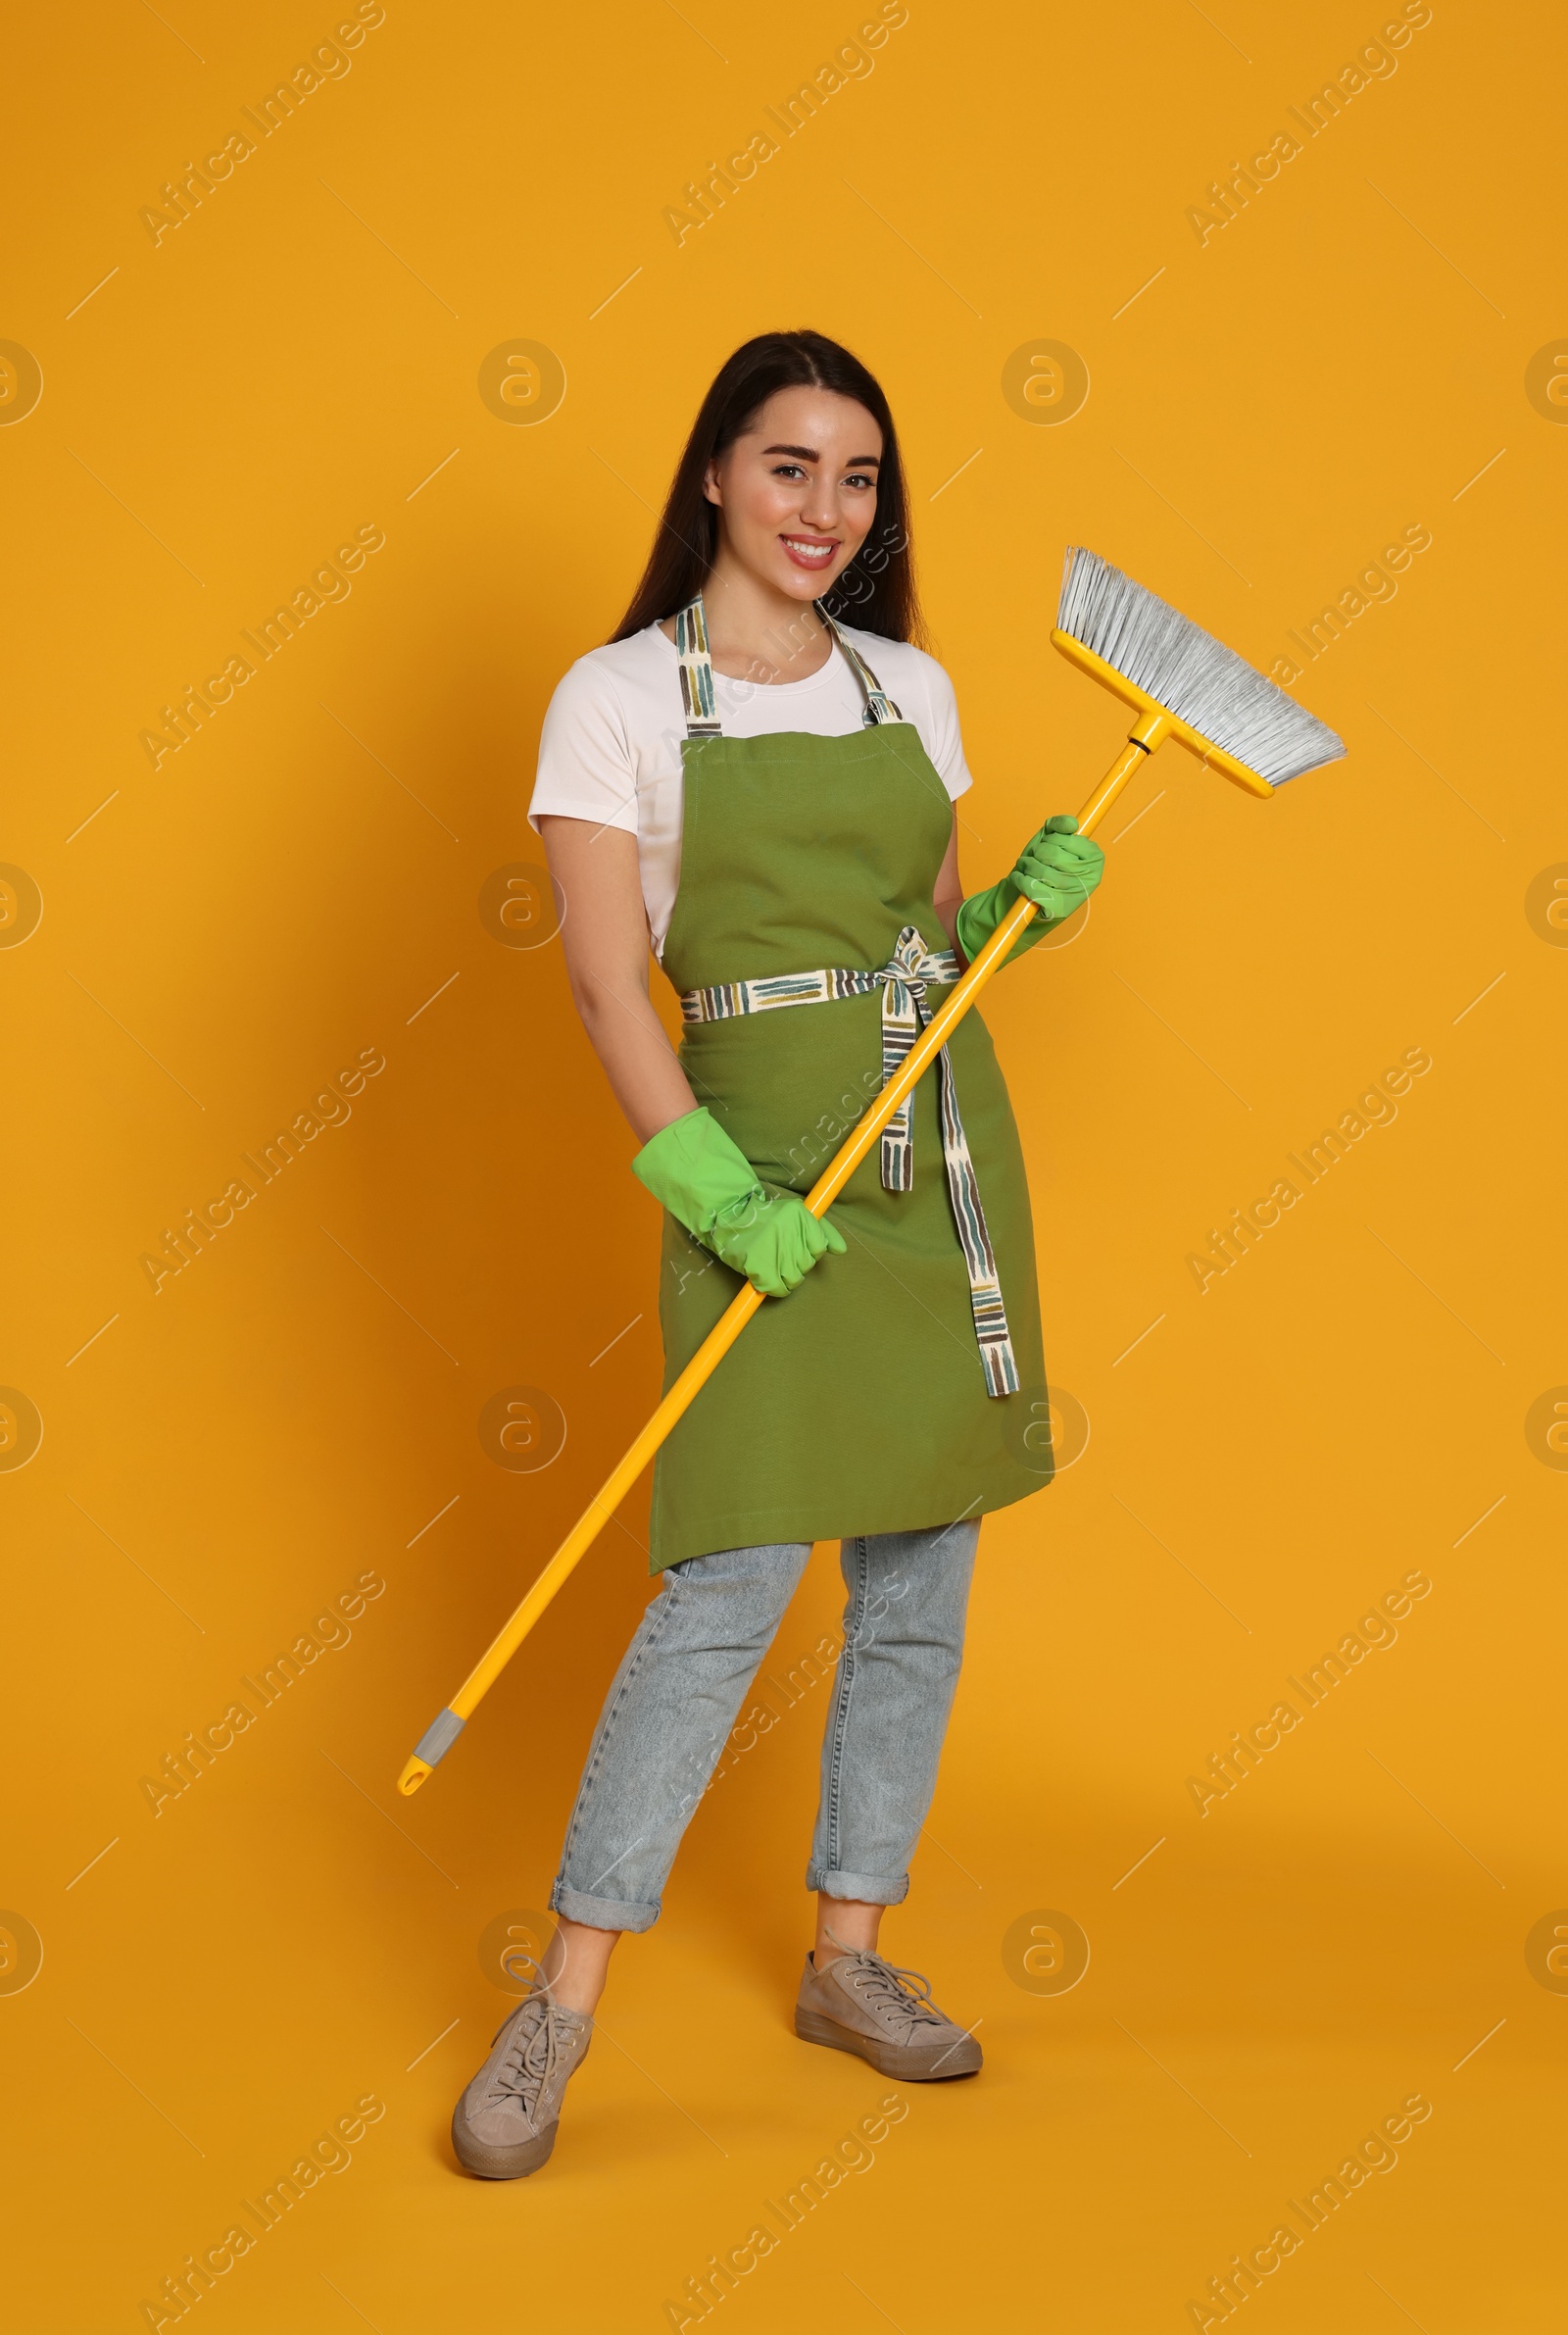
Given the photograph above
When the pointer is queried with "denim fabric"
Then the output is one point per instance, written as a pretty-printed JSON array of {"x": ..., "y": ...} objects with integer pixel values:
[{"x": 674, "y": 1699}]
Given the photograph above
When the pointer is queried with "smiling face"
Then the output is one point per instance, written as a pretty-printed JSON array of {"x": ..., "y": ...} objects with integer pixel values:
[{"x": 796, "y": 491}]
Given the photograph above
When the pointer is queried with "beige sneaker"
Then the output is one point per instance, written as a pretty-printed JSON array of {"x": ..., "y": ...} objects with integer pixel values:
[
  {"x": 505, "y": 2124},
  {"x": 865, "y": 2005}
]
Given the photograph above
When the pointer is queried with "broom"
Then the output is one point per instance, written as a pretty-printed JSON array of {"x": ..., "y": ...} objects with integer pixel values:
[{"x": 1180, "y": 684}]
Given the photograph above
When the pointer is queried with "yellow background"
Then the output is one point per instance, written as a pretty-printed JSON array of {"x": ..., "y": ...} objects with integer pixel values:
[{"x": 227, "y": 931}]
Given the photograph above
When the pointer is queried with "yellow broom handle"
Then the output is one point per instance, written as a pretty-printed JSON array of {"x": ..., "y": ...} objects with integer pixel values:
[{"x": 719, "y": 1341}]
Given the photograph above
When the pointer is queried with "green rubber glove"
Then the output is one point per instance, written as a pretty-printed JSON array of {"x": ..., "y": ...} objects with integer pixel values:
[
  {"x": 755, "y": 1228},
  {"x": 1057, "y": 869}
]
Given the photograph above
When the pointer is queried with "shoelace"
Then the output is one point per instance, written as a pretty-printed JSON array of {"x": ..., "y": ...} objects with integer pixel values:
[
  {"x": 888, "y": 1986},
  {"x": 530, "y": 2062}
]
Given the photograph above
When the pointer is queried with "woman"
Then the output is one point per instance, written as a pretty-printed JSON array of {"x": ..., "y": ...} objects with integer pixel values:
[{"x": 766, "y": 791}]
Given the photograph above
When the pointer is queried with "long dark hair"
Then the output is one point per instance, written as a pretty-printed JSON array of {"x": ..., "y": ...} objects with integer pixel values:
[{"x": 876, "y": 591}]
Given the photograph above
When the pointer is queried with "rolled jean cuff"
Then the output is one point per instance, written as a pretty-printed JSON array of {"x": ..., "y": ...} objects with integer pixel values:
[
  {"x": 601, "y": 1912},
  {"x": 866, "y": 1888}
]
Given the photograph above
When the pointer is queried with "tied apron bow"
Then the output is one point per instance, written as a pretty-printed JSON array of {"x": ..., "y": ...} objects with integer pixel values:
[{"x": 902, "y": 981}]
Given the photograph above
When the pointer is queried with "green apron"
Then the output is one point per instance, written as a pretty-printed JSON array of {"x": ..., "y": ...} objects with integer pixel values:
[{"x": 901, "y": 1385}]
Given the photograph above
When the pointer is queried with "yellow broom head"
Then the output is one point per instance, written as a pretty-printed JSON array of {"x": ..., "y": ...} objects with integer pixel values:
[{"x": 1157, "y": 660}]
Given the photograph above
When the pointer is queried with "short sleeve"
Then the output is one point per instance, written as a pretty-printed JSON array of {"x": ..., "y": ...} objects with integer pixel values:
[
  {"x": 944, "y": 741},
  {"x": 924, "y": 695},
  {"x": 586, "y": 768}
]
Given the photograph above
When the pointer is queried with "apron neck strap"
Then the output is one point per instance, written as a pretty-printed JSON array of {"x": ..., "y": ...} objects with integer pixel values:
[
  {"x": 696, "y": 671},
  {"x": 879, "y": 707},
  {"x": 696, "y": 674}
]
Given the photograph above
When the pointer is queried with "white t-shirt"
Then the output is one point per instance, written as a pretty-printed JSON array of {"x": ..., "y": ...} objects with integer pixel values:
[{"x": 611, "y": 747}]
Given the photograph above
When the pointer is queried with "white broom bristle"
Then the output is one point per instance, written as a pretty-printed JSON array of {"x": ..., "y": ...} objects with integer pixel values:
[{"x": 1197, "y": 678}]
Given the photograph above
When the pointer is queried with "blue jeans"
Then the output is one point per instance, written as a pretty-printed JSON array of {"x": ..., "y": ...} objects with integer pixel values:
[{"x": 673, "y": 1701}]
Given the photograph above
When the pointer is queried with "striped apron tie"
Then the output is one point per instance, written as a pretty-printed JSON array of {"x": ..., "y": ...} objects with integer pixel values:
[{"x": 902, "y": 982}]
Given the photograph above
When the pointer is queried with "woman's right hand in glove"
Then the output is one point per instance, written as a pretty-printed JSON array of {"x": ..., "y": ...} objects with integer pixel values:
[
  {"x": 755, "y": 1228},
  {"x": 771, "y": 1237}
]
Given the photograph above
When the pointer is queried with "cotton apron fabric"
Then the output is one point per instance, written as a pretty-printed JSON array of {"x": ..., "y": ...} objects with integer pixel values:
[{"x": 860, "y": 1404}]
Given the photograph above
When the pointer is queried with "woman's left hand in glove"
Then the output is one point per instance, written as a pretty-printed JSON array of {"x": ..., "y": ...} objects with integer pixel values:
[{"x": 1058, "y": 868}]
